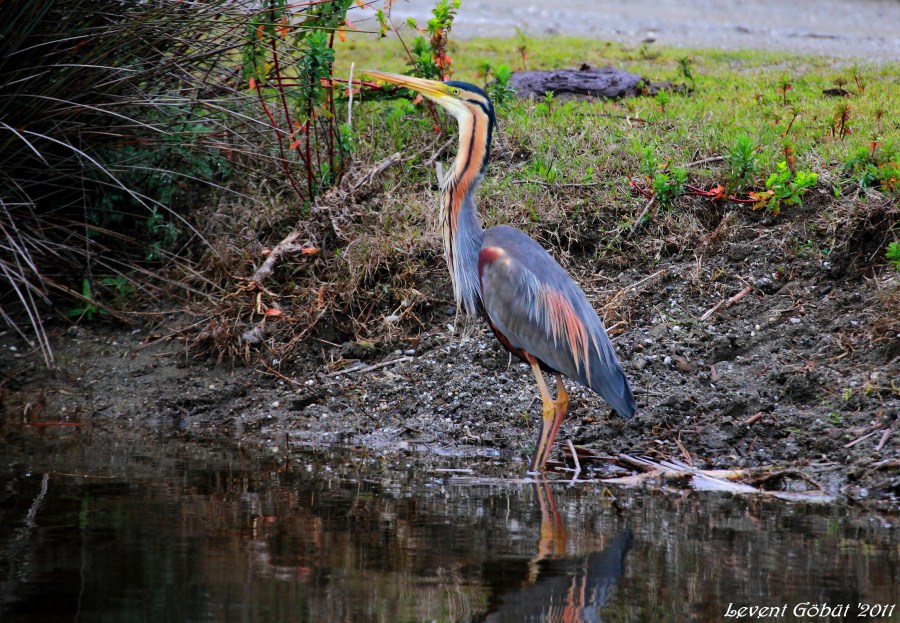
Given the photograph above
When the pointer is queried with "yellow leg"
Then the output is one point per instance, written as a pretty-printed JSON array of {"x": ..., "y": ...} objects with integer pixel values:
[
  {"x": 562, "y": 405},
  {"x": 540, "y": 452}
]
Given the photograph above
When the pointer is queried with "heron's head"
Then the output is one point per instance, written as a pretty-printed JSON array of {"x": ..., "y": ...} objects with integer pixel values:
[{"x": 461, "y": 99}]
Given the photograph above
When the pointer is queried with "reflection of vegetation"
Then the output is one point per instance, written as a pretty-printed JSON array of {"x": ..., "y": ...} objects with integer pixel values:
[{"x": 350, "y": 541}]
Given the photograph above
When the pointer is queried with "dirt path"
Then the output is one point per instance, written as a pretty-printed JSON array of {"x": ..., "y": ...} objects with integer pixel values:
[{"x": 867, "y": 29}]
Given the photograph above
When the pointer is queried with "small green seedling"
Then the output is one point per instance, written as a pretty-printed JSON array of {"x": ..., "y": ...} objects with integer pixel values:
[
  {"x": 784, "y": 187},
  {"x": 90, "y": 309},
  {"x": 743, "y": 163}
]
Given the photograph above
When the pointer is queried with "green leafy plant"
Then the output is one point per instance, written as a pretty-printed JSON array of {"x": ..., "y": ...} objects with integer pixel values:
[
  {"x": 684, "y": 69},
  {"x": 499, "y": 90},
  {"x": 546, "y": 104},
  {"x": 840, "y": 128},
  {"x": 522, "y": 46},
  {"x": 783, "y": 86},
  {"x": 543, "y": 169},
  {"x": 875, "y": 167},
  {"x": 666, "y": 182},
  {"x": 287, "y": 62},
  {"x": 429, "y": 58},
  {"x": 89, "y": 309},
  {"x": 667, "y": 185},
  {"x": 123, "y": 288},
  {"x": 892, "y": 254},
  {"x": 663, "y": 98},
  {"x": 784, "y": 187},
  {"x": 743, "y": 163}
]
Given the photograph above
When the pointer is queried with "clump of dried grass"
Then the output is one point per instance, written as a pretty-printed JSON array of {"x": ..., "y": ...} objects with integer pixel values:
[{"x": 101, "y": 145}]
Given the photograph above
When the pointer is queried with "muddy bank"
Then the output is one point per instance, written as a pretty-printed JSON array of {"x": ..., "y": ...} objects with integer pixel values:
[{"x": 796, "y": 374}]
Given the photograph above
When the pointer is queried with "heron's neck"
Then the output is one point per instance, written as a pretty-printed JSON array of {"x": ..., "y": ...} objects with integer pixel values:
[{"x": 459, "y": 216}]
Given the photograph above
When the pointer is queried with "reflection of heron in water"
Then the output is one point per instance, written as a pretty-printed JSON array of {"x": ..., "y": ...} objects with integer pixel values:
[{"x": 563, "y": 589}]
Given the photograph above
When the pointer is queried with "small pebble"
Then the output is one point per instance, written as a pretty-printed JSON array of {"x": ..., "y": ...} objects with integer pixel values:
[
  {"x": 409, "y": 351},
  {"x": 667, "y": 360},
  {"x": 795, "y": 320}
]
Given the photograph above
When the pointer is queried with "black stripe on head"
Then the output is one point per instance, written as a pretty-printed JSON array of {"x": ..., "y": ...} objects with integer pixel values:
[{"x": 486, "y": 105}]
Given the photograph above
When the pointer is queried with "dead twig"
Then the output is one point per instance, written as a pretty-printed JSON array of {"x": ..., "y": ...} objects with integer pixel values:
[
  {"x": 631, "y": 287},
  {"x": 708, "y": 480},
  {"x": 640, "y": 219},
  {"x": 575, "y": 459},
  {"x": 883, "y": 440},
  {"x": 726, "y": 302},
  {"x": 433, "y": 158},
  {"x": 375, "y": 366},
  {"x": 697, "y": 163},
  {"x": 559, "y": 184},
  {"x": 753, "y": 418},
  {"x": 280, "y": 249},
  {"x": 684, "y": 452},
  {"x": 859, "y": 439}
]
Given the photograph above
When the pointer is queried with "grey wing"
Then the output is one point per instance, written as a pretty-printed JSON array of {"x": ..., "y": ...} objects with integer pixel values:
[{"x": 539, "y": 309}]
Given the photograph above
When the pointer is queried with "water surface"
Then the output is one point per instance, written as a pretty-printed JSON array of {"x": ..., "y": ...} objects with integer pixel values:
[{"x": 110, "y": 529}]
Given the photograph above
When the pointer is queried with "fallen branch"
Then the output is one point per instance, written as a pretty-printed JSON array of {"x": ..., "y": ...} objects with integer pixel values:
[
  {"x": 575, "y": 459},
  {"x": 706, "y": 480},
  {"x": 640, "y": 219},
  {"x": 883, "y": 441},
  {"x": 559, "y": 184},
  {"x": 858, "y": 439},
  {"x": 753, "y": 418},
  {"x": 726, "y": 302},
  {"x": 286, "y": 245},
  {"x": 697, "y": 163},
  {"x": 375, "y": 366},
  {"x": 379, "y": 168},
  {"x": 623, "y": 291},
  {"x": 437, "y": 154},
  {"x": 349, "y": 185}
]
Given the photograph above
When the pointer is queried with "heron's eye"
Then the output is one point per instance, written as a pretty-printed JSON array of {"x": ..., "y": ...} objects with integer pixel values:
[{"x": 454, "y": 90}]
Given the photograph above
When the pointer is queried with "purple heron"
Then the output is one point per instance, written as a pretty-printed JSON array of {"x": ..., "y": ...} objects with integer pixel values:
[{"x": 532, "y": 305}]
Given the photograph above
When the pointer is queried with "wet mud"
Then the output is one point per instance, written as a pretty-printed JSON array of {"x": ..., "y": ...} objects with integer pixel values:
[{"x": 760, "y": 355}]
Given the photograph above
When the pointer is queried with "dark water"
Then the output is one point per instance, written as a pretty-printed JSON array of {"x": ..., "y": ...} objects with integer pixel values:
[{"x": 106, "y": 529}]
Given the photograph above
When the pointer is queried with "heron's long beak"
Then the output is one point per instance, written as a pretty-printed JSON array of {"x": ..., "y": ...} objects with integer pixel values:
[{"x": 429, "y": 88}]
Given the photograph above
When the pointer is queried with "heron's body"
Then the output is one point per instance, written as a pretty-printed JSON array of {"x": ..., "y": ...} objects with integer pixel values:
[{"x": 532, "y": 305}]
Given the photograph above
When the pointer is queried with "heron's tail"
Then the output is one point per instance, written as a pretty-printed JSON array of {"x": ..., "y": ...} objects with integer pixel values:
[{"x": 608, "y": 379}]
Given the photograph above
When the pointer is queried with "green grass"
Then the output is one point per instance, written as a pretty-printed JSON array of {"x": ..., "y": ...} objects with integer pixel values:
[
  {"x": 735, "y": 111},
  {"x": 734, "y": 94}
]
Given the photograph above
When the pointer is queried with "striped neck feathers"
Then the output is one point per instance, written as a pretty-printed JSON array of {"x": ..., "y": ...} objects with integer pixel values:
[{"x": 461, "y": 225}]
